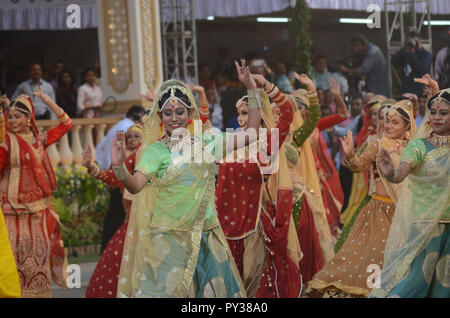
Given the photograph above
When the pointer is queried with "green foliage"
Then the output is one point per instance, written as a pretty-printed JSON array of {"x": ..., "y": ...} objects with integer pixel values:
[
  {"x": 81, "y": 202},
  {"x": 300, "y": 36}
]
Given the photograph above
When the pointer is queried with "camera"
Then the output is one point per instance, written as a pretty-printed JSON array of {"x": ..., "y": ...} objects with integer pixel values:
[{"x": 412, "y": 43}]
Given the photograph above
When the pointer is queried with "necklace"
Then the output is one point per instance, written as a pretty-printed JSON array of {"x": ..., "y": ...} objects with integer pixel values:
[{"x": 440, "y": 141}]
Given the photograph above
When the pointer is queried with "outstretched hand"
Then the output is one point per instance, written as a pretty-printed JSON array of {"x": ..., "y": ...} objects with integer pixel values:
[
  {"x": 40, "y": 93},
  {"x": 429, "y": 83},
  {"x": 335, "y": 87},
  {"x": 87, "y": 157},
  {"x": 245, "y": 76},
  {"x": 197, "y": 88},
  {"x": 259, "y": 79},
  {"x": 150, "y": 96},
  {"x": 347, "y": 143},
  {"x": 4, "y": 101},
  {"x": 385, "y": 164},
  {"x": 305, "y": 80},
  {"x": 118, "y": 149}
]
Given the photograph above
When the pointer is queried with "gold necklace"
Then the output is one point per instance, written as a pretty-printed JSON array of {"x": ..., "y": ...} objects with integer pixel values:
[{"x": 440, "y": 141}]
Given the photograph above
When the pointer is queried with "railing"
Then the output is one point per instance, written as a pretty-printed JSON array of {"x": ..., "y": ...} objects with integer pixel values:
[{"x": 82, "y": 134}]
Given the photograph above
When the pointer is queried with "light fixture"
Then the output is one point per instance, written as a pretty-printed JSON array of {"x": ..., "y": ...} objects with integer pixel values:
[
  {"x": 357, "y": 21},
  {"x": 437, "y": 22},
  {"x": 210, "y": 18},
  {"x": 272, "y": 20}
]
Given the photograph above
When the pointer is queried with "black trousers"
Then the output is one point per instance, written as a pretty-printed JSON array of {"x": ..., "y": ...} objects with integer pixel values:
[{"x": 114, "y": 218}]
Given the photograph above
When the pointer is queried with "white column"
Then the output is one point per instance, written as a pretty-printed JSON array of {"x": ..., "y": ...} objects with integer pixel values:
[{"x": 146, "y": 61}]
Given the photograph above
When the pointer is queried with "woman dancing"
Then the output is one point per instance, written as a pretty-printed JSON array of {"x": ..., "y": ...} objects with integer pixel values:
[
  {"x": 416, "y": 260},
  {"x": 346, "y": 274},
  {"x": 104, "y": 280},
  {"x": 254, "y": 207},
  {"x": 174, "y": 245},
  {"x": 27, "y": 183}
]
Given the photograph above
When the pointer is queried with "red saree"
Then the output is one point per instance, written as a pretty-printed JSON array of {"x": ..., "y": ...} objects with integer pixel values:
[
  {"x": 104, "y": 280},
  {"x": 26, "y": 187},
  {"x": 246, "y": 209}
]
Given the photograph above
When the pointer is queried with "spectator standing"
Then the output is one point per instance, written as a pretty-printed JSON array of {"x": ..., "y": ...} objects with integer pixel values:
[
  {"x": 442, "y": 63},
  {"x": 282, "y": 81},
  {"x": 414, "y": 61},
  {"x": 35, "y": 83},
  {"x": 66, "y": 93},
  {"x": 374, "y": 66},
  {"x": 90, "y": 96},
  {"x": 321, "y": 74}
]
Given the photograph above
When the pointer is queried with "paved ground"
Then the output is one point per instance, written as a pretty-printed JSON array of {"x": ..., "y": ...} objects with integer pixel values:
[{"x": 86, "y": 270}]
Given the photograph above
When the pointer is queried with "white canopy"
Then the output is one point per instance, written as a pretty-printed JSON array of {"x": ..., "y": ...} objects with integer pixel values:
[{"x": 52, "y": 15}]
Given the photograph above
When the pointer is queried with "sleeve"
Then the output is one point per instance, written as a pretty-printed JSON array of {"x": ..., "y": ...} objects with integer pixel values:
[
  {"x": 286, "y": 113},
  {"x": 55, "y": 133},
  {"x": 107, "y": 176},
  {"x": 367, "y": 65},
  {"x": 365, "y": 160},
  {"x": 301, "y": 134},
  {"x": 150, "y": 162},
  {"x": 330, "y": 121},
  {"x": 414, "y": 152},
  {"x": 80, "y": 99}
]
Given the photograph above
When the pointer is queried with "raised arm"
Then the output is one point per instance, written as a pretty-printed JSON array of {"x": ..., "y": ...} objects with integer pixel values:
[
  {"x": 362, "y": 162},
  {"x": 254, "y": 115},
  {"x": 285, "y": 106},
  {"x": 55, "y": 133},
  {"x": 134, "y": 183},
  {"x": 301, "y": 134}
]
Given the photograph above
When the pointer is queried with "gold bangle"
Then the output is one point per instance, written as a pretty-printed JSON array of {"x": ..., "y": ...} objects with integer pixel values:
[{"x": 121, "y": 172}]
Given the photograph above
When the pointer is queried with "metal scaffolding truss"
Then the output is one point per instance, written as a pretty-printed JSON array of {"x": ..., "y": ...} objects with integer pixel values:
[
  {"x": 396, "y": 27},
  {"x": 179, "y": 40}
]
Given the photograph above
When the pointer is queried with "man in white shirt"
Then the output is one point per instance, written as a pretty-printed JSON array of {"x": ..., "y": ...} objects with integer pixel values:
[
  {"x": 32, "y": 85},
  {"x": 103, "y": 150}
]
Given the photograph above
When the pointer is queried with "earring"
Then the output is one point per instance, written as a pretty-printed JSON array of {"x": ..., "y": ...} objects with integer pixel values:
[
  {"x": 408, "y": 135},
  {"x": 190, "y": 127},
  {"x": 29, "y": 123},
  {"x": 162, "y": 131}
]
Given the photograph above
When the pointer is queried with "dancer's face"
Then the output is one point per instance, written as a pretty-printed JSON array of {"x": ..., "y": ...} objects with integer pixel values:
[
  {"x": 440, "y": 118},
  {"x": 243, "y": 111},
  {"x": 174, "y": 117},
  {"x": 395, "y": 126},
  {"x": 18, "y": 122},
  {"x": 134, "y": 140}
]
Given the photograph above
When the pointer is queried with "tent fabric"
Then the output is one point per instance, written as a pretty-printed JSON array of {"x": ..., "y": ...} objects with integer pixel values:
[{"x": 52, "y": 15}]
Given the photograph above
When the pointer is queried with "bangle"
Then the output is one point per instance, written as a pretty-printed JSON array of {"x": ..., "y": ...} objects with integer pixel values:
[{"x": 121, "y": 172}]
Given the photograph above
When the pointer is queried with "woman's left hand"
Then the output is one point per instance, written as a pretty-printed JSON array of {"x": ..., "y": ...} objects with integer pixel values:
[
  {"x": 385, "y": 163},
  {"x": 197, "y": 88},
  {"x": 245, "y": 76},
  {"x": 39, "y": 93}
]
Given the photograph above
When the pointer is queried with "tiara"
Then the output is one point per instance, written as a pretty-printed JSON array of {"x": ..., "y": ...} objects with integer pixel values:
[{"x": 172, "y": 100}]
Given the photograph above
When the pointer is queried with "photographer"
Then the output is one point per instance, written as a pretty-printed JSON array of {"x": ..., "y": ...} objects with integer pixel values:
[
  {"x": 415, "y": 62},
  {"x": 373, "y": 67}
]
